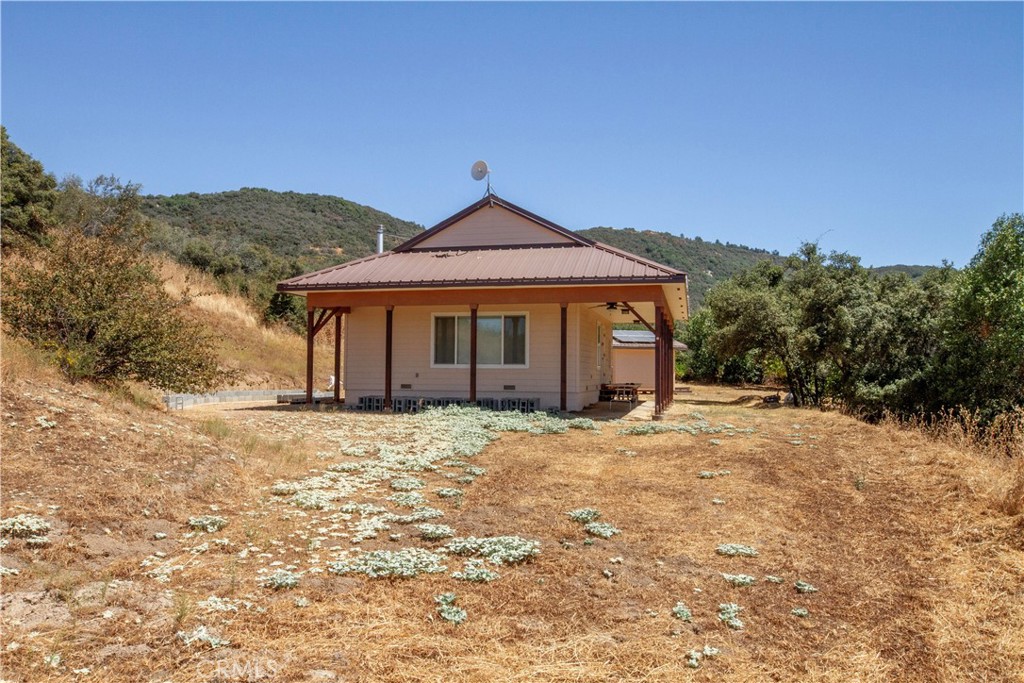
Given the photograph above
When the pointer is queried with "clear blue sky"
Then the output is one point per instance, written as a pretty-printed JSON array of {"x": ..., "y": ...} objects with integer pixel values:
[{"x": 892, "y": 131}]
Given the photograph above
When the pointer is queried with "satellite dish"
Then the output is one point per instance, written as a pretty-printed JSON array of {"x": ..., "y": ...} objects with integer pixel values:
[{"x": 480, "y": 170}]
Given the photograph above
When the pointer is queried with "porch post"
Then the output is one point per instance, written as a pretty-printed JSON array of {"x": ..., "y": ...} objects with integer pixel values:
[
  {"x": 564, "y": 360},
  {"x": 388, "y": 339},
  {"x": 309, "y": 356},
  {"x": 337, "y": 356},
  {"x": 659, "y": 364},
  {"x": 472, "y": 353}
]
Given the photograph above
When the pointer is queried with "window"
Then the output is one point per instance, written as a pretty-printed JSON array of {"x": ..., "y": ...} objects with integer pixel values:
[{"x": 500, "y": 340}]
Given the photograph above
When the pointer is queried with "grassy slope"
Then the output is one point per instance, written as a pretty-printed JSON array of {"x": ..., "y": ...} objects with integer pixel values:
[
  {"x": 911, "y": 544},
  {"x": 263, "y": 357}
]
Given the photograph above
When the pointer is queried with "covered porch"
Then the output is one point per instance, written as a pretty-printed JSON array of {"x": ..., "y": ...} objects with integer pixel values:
[{"x": 646, "y": 304}]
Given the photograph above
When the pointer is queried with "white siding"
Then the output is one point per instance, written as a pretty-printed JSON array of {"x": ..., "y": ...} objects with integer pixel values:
[
  {"x": 364, "y": 357},
  {"x": 634, "y": 365},
  {"x": 490, "y": 227}
]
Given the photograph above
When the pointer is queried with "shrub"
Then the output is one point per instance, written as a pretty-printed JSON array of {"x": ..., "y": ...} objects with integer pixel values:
[
  {"x": 584, "y": 515},
  {"x": 405, "y": 563},
  {"x": 96, "y": 303},
  {"x": 601, "y": 529},
  {"x": 476, "y": 572},
  {"x": 24, "y": 526},
  {"x": 681, "y": 611},
  {"x": 729, "y": 614},
  {"x": 497, "y": 549},
  {"x": 280, "y": 579}
]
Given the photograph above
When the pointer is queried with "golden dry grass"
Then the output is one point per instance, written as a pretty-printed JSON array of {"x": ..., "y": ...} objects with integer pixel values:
[
  {"x": 919, "y": 566},
  {"x": 262, "y": 357}
]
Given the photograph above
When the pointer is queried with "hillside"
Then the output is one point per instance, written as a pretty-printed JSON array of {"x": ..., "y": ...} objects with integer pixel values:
[
  {"x": 706, "y": 263},
  {"x": 233, "y": 545},
  {"x": 311, "y": 230}
]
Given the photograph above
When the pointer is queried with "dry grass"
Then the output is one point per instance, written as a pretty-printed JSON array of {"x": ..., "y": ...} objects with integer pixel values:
[
  {"x": 263, "y": 357},
  {"x": 920, "y": 566}
]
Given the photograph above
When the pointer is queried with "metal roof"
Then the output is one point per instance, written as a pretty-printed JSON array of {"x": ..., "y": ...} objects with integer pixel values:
[
  {"x": 639, "y": 339},
  {"x": 548, "y": 265}
]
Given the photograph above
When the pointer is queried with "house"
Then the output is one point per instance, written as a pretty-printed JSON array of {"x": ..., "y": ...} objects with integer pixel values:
[
  {"x": 633, "y": 357},
  {"x": 493, "y": 305}
]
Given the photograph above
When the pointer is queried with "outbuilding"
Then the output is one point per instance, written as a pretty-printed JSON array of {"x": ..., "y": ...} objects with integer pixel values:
[{"x": 633, "y": 357}]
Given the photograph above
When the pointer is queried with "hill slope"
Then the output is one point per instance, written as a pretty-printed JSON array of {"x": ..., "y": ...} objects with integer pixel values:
[
  {"x": 915, "y": 557},
  {"x": 311, "y": 229}
]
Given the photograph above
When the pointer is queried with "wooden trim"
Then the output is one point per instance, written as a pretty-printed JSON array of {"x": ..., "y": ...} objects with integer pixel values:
[
  {"x": 472, "y": 353},
  {"x": 563, "y": 380},
  {"x": 502, "y": 295},
  {"x": 389, "y": 328},
  {"x": 309, "y": 357},
  {"x": 337, "y": 358}
]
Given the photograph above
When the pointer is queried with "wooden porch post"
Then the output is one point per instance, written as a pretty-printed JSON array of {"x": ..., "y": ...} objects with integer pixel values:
[
  {"x": 309, "y": 356},
  {"x": 472, "y": 353},
  {"x": 337, "y": 356},
  {"x": 563, "y": 384},
  {"x": 659, "y": 363},
  {"x": 388, "y": 339}
]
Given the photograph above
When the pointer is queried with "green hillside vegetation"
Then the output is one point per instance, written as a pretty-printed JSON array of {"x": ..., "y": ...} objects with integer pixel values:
[
  {"x": 249, "y": 239},
  {"x": 706, "y": 263}
]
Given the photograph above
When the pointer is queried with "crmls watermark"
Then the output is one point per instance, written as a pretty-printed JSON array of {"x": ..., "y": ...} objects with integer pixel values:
[{"x": 248, "y": 669}]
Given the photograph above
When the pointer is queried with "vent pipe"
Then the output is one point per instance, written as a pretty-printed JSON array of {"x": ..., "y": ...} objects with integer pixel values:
[{"x": 380, "y": 239}]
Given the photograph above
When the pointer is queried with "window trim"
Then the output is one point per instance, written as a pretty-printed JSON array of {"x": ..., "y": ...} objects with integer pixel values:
[{"x": 480, "y": 314}]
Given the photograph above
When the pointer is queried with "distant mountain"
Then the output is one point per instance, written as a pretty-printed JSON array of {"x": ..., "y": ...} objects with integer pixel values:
[
  {"x": 311, "y": 229},
  {"x": 706, "y": 263}
]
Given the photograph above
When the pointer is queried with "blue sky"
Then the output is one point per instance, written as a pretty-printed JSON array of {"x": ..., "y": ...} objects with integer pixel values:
[{"x": 892, "y": 131}]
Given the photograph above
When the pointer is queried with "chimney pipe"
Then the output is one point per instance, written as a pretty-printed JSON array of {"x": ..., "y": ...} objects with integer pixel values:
[{"x": 380, "y": 239}]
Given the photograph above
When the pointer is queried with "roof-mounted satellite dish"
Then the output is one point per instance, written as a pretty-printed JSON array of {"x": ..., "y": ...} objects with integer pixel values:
[{"x": 480, "y": 171}]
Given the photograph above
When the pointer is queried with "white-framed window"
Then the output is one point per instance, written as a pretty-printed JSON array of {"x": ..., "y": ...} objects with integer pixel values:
[{"x": 501, "y": 340}]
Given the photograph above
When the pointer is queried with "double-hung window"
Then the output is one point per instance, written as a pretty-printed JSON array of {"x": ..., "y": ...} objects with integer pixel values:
[{"x": 500, "y": 340}]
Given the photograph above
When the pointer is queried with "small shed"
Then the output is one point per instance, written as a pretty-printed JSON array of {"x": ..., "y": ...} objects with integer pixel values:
[{"x": 633, "y": 357}]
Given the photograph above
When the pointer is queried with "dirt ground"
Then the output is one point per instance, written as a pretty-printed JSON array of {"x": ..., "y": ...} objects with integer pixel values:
[{"x": 918, "y": 568}]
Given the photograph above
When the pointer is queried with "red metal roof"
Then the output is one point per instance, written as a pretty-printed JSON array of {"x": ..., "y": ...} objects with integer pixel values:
[{"x": 551, "y": 265}]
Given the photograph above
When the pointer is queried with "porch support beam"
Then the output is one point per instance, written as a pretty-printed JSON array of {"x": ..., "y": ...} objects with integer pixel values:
[
  {"x": 337, "y": 357},
  {"x": 472, "y": 353},
  {"x": 563, "y": 355},
  {"x": 659, "y": 364},
  {"x": 309, "y": 356},
  {"x": 388, "y": 344}
]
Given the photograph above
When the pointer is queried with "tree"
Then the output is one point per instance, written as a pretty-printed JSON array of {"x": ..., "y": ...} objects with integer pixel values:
[
  {"x": 981, "y": 361},
  {"x": 28, "y": 194},
  {"x": 95, "y": 302}
]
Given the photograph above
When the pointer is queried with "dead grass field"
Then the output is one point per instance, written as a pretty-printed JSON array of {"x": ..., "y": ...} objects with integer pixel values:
[{"x": 920, "y": 568}]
